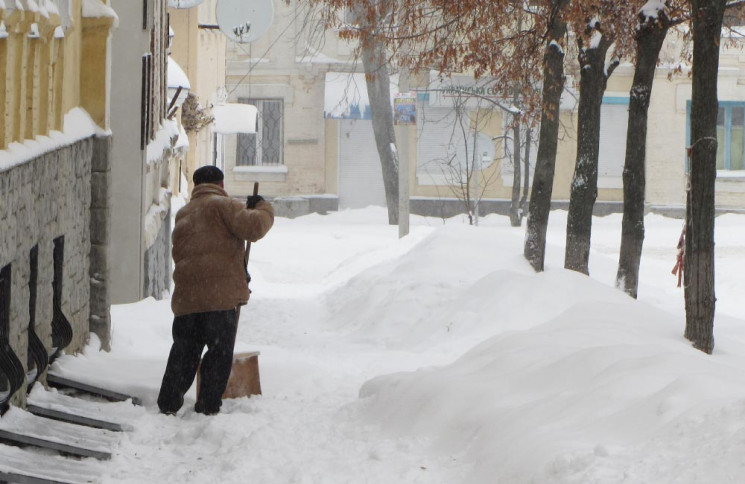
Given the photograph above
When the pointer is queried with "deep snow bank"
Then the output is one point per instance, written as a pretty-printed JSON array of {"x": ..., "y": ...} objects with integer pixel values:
[{"x": 584, "y": 385}]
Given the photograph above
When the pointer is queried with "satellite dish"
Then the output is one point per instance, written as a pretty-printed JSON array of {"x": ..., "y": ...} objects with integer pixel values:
[
  {"x": 244, "y": 21},
  {"x": 184, "y": 3}
]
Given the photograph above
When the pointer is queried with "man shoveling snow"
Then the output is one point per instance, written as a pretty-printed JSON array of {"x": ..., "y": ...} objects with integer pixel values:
[{"x": 211, "y": 285}]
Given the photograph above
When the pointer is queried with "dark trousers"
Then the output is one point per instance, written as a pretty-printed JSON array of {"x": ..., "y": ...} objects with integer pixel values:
[{"x": 191, "y": 332}]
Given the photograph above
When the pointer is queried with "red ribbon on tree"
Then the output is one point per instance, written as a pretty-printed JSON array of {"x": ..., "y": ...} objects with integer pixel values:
[{"x": 678, "y": 269}]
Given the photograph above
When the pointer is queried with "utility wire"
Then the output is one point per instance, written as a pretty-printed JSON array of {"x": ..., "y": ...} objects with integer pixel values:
[{"x": 250, "y": 69}]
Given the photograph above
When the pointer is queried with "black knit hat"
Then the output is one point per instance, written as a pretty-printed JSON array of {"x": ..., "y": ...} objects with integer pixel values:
[{"x": 207, "y": 174}]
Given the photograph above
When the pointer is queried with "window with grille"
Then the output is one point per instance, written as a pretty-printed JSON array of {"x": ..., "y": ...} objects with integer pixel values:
[{"x": 264, "y": 148}]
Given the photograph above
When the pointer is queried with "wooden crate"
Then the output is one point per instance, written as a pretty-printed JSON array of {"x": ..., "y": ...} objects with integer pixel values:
[{"x": 244, "y": 376}]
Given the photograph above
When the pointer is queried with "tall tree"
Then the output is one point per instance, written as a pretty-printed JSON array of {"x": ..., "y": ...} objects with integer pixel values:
[
  {"x": 516, "y": 216},
  {"x": 651, "y": 31},
  {"x": 543, "y": 179},
  {"x": 370, "y": 15},
  {"x": 378, "y": 83},
  {"x": 699, "y": 245},
  {"x": 604, "y": 23}
]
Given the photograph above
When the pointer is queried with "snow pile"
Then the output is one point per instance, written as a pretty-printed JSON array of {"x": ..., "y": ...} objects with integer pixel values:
[
  {"x": 166, "y": 139},
  {"x": 443, "y": 358},
  {"x": 175, "y": 75},
  {"x": 604, "y": 382}
]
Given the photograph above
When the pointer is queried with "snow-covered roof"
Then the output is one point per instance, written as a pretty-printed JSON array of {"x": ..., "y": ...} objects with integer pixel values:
[
  {"x": 234, "y": 118},
  {"x": 176, "y": 77}
]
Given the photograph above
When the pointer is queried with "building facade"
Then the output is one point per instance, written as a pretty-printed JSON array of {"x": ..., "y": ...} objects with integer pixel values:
[
  {"x": 313, "y": 156},
  {"x": 147, "y": 146},
  {"x": 284, "y": 77},
  {"x": 55, "y": 168}
]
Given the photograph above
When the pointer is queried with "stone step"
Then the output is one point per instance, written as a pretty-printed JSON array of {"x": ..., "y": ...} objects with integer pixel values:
[
  {"x": 19, "y": 427},
  {"x": 28, "y": 466},
  {"x": 59, "y": 381},
  {"x": 55, "y": 405},
  {"x": 73, "y": 418}
]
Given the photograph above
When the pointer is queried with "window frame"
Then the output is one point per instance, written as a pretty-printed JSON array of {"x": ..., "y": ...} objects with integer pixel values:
[
  {"x": 727, "y": 106},
  {"x": 258, "y": 136}
]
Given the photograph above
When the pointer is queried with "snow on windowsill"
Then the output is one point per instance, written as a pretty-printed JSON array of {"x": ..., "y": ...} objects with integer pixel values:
[
  {"x": 260, "y": 169},
  {"x": 260, "y": 173},
  {"x": 77, "y": 124},
  {"x": 166, "y": 138},
  {"x": 156, "y": 213},
  {"x": 731, "y": 175}
]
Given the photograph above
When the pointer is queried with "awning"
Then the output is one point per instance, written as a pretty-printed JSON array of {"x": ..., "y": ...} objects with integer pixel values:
[
  {"x": 231, "y": 118},
  {"x": 175, "y": 79}
]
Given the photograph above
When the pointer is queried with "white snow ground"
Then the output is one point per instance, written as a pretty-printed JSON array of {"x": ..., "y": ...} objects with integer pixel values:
[{"x": 443, "y": 358}]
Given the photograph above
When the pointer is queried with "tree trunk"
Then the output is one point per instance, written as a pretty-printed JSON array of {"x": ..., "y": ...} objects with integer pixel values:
[
  {"x": 379, "y": 92},
  {"x": 515, "y": 215},
  {"x": 548, "y": 137},
  {"x": 649, "y": 38},
  {"x": 584, "y": 191},
  {"x": 699, "y": 244},
  {"x": 526, "y": 164}
]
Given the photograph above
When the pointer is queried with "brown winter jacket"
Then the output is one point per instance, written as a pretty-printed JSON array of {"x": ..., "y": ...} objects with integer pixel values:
[{"x": 208, "y": 250}]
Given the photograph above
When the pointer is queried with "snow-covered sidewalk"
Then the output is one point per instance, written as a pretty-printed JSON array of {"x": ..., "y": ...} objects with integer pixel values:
[{"x": 442, "y": 358}]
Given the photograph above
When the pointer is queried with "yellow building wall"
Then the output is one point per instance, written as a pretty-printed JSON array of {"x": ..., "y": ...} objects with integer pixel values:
[{"x": 43, "y": 73}]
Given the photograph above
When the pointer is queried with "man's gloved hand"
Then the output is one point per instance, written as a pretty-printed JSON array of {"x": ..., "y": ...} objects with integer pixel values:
[{"x": 252, "y": 200}]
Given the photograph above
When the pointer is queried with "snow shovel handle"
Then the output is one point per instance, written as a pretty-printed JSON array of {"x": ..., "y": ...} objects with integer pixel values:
[
  {"x": 248, "y": 244},
  {"x": 245, "y": 260}
]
